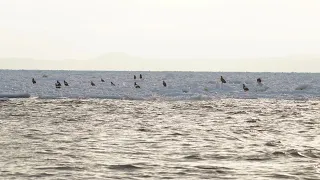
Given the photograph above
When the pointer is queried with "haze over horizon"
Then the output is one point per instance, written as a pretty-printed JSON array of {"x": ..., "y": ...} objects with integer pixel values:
[
  {"x": 204, "y": 35},
  {"x": 117, "y": 61}
]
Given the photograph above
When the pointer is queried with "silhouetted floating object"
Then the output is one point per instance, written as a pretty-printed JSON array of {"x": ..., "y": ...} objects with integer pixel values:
[
  {"x": 134, "y": 77},
  {"x": 112, "y": 84},
  {"x": 102, "y": 80},
  {"x": 259, "y": 80},
  {"x": 58, "y": 84},
  {"x": 33, "y": 81},
  {"x": 245, "y": 88},
  {"x": 223, "y": 80},
  {"x": 65, "y": 83},
  {"x": 92, "y": 84},
  {"x": 136, "y": 85},
  {"x": 140, "y": 76},
  {"x": 164, "y": 83}
]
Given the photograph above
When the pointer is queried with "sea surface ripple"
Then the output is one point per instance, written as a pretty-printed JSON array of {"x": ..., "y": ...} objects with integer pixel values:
[{"x": 123, "y": 139}]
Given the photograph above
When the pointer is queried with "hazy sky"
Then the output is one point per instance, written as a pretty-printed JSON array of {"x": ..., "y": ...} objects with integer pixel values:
[{"x": 84, "y": 29}]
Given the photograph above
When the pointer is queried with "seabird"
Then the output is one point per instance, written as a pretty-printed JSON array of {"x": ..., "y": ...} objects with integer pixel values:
[
  {"x": 164, "y": 83},
  {"x": 112, "y": 84},
  {"x": 33, "y": 81},
  {"x": 259, "y": 80},
  {"x": 92, "y": 84},
  {"x": 102, "y": 80},
  {"x": 134, "y": 77},
  {"x": 58, "y": 84},
  {"x": 136, "y": 85},
  {"x": 140, "y": 76},
  {"x": 245, "y": 88},
  {"x": 65, "y": 83},
  {"x": 222, "y": 80}
]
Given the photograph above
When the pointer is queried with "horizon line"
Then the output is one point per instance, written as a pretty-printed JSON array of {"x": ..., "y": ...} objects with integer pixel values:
[
  {"x": 298, "y": 56},
  {"x": 81, "y": 70}
]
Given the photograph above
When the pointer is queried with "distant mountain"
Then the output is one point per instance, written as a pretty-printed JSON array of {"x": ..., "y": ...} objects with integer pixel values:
[
  {"x": 118, "y": 61},
  {"x": 124, "y": 62},
  {"x": 110, "y": 61},
  {"x": 22, "y": 63},
  {"x": 114, "y": 56}
]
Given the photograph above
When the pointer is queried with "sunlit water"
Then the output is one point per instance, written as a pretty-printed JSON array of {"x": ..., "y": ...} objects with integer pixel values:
[
  {"x": 120, "y": 139},
  {"x": 180, "y": 85}
]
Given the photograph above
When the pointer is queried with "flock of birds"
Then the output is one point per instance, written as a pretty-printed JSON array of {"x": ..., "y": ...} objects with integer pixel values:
[
  {"x": 245, "y": 88},
  {"x": 223, "y": 81},
  {"x": 58, "y": 84}
]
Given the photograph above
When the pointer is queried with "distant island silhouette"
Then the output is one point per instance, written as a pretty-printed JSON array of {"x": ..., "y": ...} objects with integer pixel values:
[{"x": 119, "y": 61}]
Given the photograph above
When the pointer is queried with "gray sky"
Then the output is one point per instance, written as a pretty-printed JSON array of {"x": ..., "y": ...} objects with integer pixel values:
[{"x": 216, "y": 29}]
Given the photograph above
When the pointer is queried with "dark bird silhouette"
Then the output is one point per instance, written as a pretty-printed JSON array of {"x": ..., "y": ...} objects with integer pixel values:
[
  {"x": 102, "y": 80},
  {"x": 65, "y": 83},
  {"x": 259, "y": 80},
  {"x": 112, "y": 84},
  {"x": 134, "y": 77},
  {"x": 136, "y": 85},
  {"x": 140, "y": 76},
  {"x": 58, "y": 85},
  {"x": 92, "y": 84},
  {"x": 245, "y": 88},
  {"x": 33, "y": 81},
  {"x": 223, "y": 80},
  {"x": 164, "y": 83}
]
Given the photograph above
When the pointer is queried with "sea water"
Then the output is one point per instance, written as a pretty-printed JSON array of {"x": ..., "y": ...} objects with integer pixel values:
[
  {"x": 195, "y": 128},
  {"x": 180, "y": 85}
]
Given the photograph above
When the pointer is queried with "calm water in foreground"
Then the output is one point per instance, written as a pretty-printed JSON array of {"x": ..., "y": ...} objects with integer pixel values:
[{"x": 117, "y": 139}]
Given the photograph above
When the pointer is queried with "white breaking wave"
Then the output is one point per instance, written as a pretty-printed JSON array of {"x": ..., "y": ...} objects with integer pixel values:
[{"x": 180, "y": 85}]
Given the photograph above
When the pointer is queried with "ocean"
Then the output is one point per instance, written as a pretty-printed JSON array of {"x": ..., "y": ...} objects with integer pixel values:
[{"x": 195, "y": 128}]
